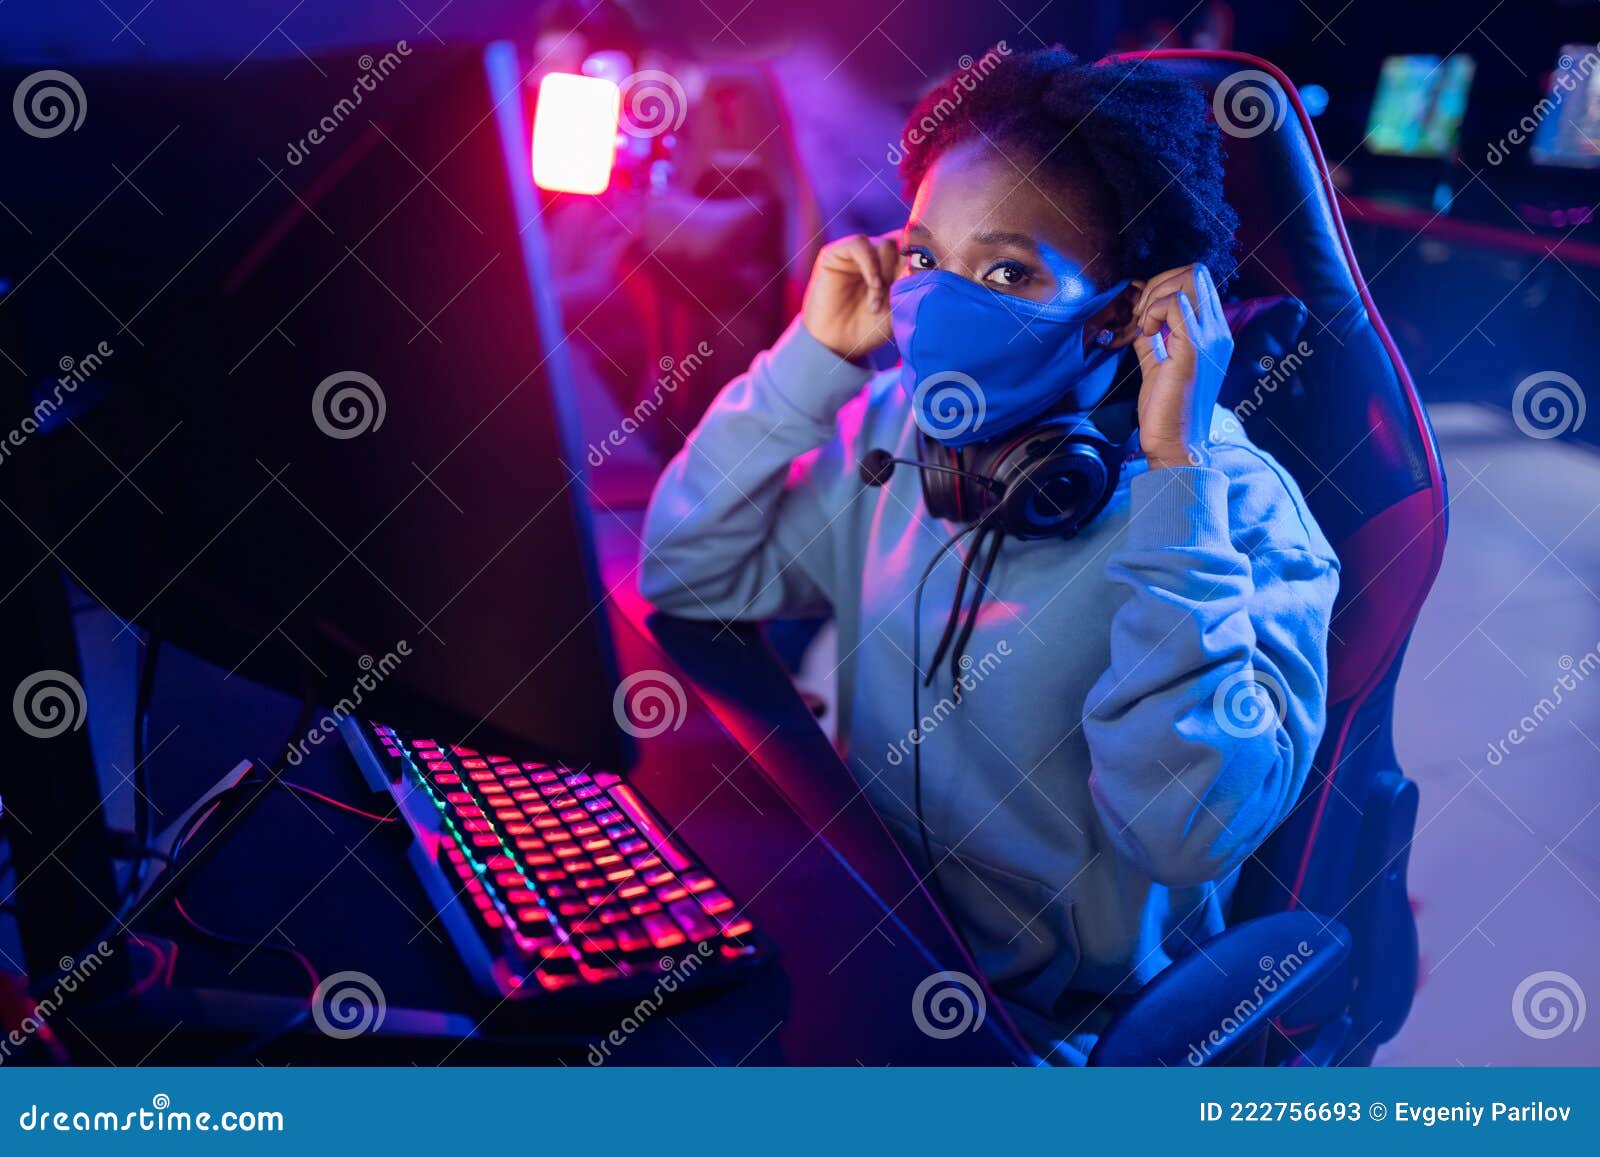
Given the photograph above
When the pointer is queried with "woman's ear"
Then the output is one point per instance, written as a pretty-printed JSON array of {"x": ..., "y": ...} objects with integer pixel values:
[{"x": 1113, "y": 327}]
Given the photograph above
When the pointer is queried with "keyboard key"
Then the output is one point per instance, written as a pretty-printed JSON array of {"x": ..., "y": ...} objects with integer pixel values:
[
  {"x": 715, "y": 903},
  {"x": 662, "y": 931},
  {"x": 688, "y": 914},
  {"x": 630, "y": 938},
  {"x": 698, "y": 881}
]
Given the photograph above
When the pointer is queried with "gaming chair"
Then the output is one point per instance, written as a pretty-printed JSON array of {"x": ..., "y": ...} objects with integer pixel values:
[{"x": 1345, "y": 420}]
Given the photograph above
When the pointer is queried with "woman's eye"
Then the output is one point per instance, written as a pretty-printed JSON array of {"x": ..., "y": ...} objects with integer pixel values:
[
  {"x": 917, "y": 259},
  {"x": 1008, "y": 275}
]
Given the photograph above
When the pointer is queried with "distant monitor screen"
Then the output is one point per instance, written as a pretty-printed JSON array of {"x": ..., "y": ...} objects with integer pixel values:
[
  {"x": 1419, "y": 105},
  {"x": 1569, "y": 124}
]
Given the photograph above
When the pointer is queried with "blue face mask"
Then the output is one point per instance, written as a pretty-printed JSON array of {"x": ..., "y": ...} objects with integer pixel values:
[{"x": 978, "y": 362}]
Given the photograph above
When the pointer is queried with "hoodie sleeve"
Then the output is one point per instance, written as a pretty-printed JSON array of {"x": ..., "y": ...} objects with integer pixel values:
[
  {"x": 1202, "y": 730},
  {"x": 737, "y": 525}
]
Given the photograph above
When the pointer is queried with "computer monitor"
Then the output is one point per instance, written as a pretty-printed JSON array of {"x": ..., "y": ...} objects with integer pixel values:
[
  {"x": 303, "y": 383},
  {"x": 1419, "y": 104},
  {"x": 1568, "y": 134}
]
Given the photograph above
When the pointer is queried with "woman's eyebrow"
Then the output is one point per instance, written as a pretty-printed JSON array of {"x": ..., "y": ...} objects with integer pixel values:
[{"x": 1003, "y": 237}]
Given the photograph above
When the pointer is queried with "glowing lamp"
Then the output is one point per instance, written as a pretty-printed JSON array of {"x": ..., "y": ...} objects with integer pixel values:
[{"x": 575, "y": 133}]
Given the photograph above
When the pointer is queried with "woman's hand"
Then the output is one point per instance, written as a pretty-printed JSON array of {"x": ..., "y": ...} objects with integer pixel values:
[
  {"x": 847, "y": 301},
  {"x": 1178, "y": 395}
]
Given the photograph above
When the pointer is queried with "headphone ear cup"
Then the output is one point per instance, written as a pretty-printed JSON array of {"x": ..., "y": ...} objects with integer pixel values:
[
  {"x": 1057, "y": 481},
  {"x": 940, "y": 491}
]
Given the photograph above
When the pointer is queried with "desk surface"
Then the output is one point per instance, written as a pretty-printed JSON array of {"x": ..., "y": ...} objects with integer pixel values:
[{"x": 749, "y": 782}]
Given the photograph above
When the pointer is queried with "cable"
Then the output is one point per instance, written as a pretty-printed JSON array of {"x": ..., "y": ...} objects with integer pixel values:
[
  {"x": 916, "y": 727},
  {"x": 301, "y": 789},
  {"x": 143, "y": 824}
]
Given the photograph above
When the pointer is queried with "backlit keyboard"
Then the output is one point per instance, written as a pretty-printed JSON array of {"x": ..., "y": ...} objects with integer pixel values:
[{"x": 554, "y": 879}]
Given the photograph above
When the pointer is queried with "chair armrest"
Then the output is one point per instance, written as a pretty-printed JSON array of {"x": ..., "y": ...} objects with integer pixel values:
[{"x": 1208, "y": 1006}]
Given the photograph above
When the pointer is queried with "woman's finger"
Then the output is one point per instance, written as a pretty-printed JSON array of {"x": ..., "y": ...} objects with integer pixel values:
[
  {"x": 865, "y": 256},
  {"x": 887, "y": 248},
  {"x": 1175, "y": 311},
  {"x": 1163, "y": 283},
  {"x": 1209, "y": 300}
]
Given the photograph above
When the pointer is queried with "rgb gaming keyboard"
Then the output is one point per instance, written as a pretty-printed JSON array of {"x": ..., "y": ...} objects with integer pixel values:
[{"x": 553, "y": 879}]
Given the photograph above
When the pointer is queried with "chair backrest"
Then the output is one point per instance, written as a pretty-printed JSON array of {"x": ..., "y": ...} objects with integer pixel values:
[{"x": 1346, "y": 421}]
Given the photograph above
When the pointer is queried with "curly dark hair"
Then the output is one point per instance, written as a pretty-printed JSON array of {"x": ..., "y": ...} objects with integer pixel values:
[{"x": 1139, "y": 133}]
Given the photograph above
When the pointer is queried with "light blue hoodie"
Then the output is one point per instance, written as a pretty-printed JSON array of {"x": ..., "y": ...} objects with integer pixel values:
[{"x": 1109, "y": 764}]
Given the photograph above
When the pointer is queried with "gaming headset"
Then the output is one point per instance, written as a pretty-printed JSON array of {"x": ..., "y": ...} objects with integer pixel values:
[{"x": 1049, "y": 479}]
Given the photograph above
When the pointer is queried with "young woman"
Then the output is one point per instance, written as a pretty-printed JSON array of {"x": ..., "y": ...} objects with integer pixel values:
[{"x": 1127, "y": 713}]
